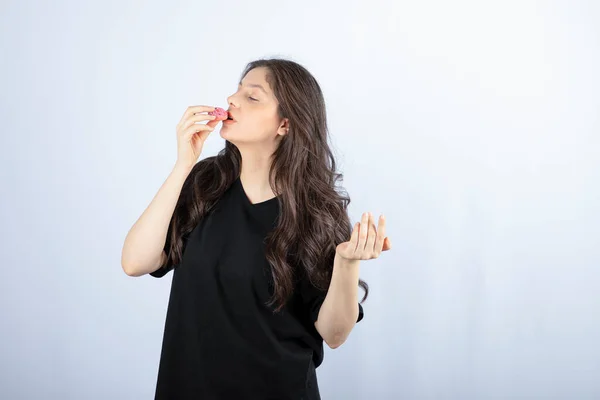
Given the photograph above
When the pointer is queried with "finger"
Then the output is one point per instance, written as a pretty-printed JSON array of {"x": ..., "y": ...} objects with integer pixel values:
[
  {"x": 214, "y": 122},
  {"x": 380, "y": 235},
  {"x": 196, "y": 128},
  {"x": 194, "y": 109},
  {"x": 197, "y": 118},
  {"x": 387, "y": 244},
  {"x": 371, "y": 236},
  {"x": 354, "y": 237},
  {"x": 202, "y": 135},
  {"x": 362, "y": 233}
]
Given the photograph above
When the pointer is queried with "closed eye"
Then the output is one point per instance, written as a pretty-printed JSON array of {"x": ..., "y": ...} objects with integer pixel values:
[{"x": 253, "y": 99}]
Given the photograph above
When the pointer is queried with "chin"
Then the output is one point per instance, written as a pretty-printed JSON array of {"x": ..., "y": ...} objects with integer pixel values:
[
  {"x": 229, "y": 136},
  {"x": 225, "y": 134},
  {"x": 239, "y": 137}
]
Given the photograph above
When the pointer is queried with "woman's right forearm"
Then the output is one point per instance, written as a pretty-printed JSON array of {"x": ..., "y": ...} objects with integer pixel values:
[{"x": 143, "y": 248}]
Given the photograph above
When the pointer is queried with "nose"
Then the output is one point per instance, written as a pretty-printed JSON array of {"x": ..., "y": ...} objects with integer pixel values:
[{"x": 231, "y": 102}]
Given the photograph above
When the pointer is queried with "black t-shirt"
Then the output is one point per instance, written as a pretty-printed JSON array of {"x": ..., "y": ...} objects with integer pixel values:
[{"x": 221, "y": 341}]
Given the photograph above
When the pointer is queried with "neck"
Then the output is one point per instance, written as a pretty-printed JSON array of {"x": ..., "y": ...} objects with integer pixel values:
[{"x": 254, "y": 175}]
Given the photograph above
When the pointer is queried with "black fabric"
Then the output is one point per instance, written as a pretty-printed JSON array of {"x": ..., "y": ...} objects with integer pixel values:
[{"x": 220, "y": 339}]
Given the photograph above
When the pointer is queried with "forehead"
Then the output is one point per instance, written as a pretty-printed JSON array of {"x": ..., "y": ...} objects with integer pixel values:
[{"x": 256, "y": 78}]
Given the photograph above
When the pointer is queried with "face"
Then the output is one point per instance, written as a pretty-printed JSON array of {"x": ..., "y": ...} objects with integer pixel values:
[{"x": 254, "y": 109}]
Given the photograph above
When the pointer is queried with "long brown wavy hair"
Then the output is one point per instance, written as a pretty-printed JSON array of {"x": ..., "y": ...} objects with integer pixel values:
[{"x": 313, "y": 219}]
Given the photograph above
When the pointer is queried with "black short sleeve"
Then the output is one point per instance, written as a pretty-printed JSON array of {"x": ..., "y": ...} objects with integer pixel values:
[
  {"x": 312, "y": 299},
  {"x": 162, "y": 271}
]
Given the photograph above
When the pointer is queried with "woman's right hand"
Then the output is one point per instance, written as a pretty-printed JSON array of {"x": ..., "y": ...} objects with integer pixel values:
[{"x": 191, "y": 134}]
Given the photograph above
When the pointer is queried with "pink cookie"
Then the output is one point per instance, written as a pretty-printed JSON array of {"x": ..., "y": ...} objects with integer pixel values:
[{"x": 220, "y": 113}]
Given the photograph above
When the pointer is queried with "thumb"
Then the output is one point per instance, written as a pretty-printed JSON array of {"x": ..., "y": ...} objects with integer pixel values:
[
  {"x": 213, "y": 123},
  {"x": 387, "y": 244}
]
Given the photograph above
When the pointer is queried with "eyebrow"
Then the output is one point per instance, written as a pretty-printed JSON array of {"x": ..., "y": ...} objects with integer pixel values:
[{"x": 255, "y": 86}]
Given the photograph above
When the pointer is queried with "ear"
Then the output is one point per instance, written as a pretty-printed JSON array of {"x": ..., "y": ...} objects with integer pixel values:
[{"x": 284, "y": 127}]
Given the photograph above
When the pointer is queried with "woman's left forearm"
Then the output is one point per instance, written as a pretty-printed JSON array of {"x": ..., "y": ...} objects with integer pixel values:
[{"x": 339, "y": 311}]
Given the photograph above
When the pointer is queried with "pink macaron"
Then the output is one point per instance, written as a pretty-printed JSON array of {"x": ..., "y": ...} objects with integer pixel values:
[{"x": 220, "y": 113}]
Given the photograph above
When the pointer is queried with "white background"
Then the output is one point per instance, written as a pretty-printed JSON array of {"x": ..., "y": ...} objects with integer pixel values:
[{"x": 473, "y": 125}]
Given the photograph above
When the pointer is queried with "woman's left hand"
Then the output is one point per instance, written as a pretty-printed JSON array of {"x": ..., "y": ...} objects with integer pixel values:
[{"x": 367, "y": 241}]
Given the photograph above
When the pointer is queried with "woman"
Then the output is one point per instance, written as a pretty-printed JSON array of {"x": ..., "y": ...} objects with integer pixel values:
[{"x": 265, "y": 260}]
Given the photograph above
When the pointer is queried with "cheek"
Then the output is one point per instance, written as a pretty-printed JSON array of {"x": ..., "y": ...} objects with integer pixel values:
[{"x": 260, "y": 125}]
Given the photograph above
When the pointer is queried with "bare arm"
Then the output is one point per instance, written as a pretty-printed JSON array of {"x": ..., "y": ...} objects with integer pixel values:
[
  {"x": 143, "y": 250},
  {"x": 339, "y": 311}
]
